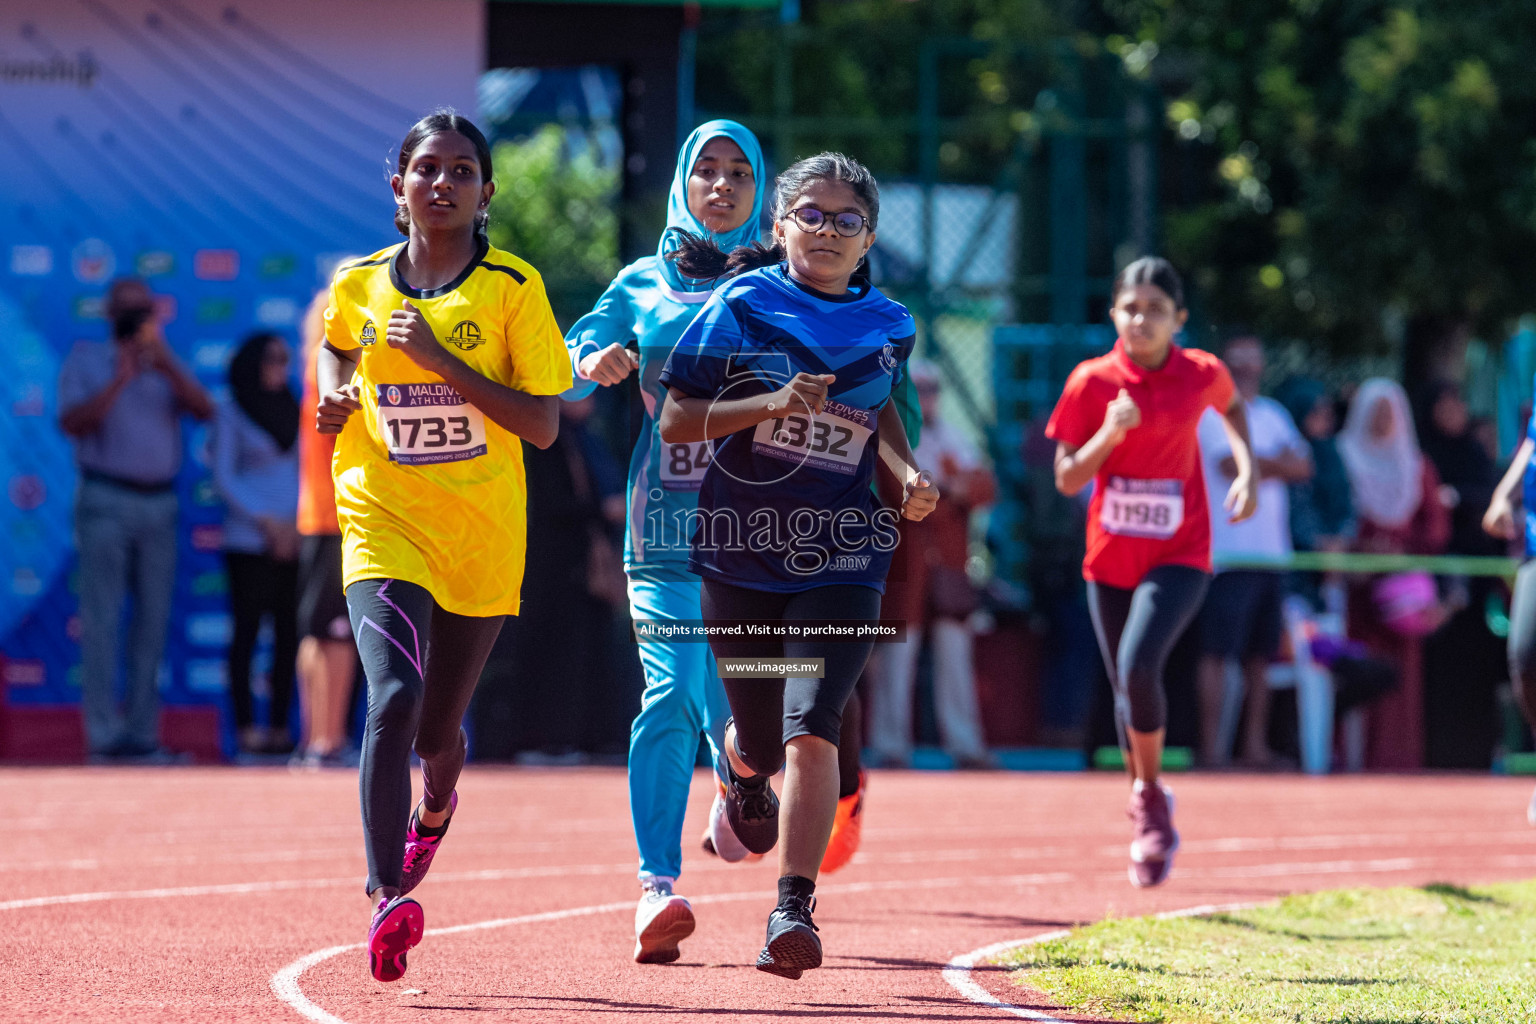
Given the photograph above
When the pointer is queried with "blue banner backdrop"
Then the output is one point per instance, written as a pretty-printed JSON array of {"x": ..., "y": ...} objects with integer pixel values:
[{"x": 230, "y": 154}]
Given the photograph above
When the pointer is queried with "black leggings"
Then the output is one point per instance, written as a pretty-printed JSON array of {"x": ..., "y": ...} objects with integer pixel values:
[
  {"x": 422, "y": 665},
  {"x": 1522, "y": 641},
  {"x": 770, "y": 712},
  {"x": 1136, "y": 630},
  {"x": 260, "y": 585}
]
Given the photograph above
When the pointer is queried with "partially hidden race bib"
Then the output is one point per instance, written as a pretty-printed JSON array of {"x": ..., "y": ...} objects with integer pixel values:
[
  {"x": 425, "y": 424},
  {"x": 834, "y": 440},
  {"x": 1142, "y": 508},
  {"x": 683, "y": 465}
]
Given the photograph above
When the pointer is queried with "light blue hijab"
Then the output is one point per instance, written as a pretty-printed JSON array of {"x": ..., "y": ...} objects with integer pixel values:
[{"x": 680, "y": 218}]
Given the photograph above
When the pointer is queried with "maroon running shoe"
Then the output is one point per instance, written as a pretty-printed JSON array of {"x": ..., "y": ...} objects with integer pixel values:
[
  {"x": 420, "y": 849},
  {"x": 1154, "y": 839},
  {"x": 397, "y": 928}
]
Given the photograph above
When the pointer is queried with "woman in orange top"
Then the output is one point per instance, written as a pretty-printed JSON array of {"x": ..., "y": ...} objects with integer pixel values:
[
  {"x": 1126, "y": 422},
  {"x": 327, "y": 656}
]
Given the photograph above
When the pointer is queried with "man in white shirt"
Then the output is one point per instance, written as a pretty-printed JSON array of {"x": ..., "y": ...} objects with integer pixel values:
[{"x": 1241, "y": 619}]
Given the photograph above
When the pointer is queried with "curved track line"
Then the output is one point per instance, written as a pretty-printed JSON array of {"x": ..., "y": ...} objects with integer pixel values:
[
  {"x": 285, "y": 983},
  {"x": 959, "y": 971}
]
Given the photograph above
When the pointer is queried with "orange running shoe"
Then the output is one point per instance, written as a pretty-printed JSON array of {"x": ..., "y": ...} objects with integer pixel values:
[{"x": 847, "y": 827}]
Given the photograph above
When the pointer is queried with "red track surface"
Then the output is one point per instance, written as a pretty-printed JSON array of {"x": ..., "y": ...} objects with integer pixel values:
[{"x": 189, "y": 889}]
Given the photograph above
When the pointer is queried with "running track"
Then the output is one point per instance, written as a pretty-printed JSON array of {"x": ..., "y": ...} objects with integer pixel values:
[{"x": 220, "y": 894}]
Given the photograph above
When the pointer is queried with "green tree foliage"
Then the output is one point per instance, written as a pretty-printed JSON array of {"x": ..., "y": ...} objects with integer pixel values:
[
  {"x": 1363, "y": 162},
  {"x": 555, "y": 207},
  {"x": 853, "y": 61}
]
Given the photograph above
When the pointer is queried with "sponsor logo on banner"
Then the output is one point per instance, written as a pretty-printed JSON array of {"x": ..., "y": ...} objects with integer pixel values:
[
  {"x": 216, "y": 264},
  {"x": 31, "y": 260},
  {"x": 26, "y": 672},
  {"x": 89, "y": 307},
  {"x": 369, "y": 334},
  {"x": 27, "y": 492},
  {"x": 93, "y": 260},
  {"x": 209, "y": 629},
  {"x": 25, "y": 582},
  {"x": 211, "y": 356},
  {"x": 466, "y": 335},
  {"x": 205, "y": 494},
  {"x": 215, "y": 311},
  {"x": 277, "y": 311},
  {"x": 31, "y": 403},
  {"x": 154, "y": 263},
  {"x": 279, "y": 264},
  {"x": 207, "y": 675},
  {"x": 207, "y": 537},
  {"x": 210, "y": 584}
]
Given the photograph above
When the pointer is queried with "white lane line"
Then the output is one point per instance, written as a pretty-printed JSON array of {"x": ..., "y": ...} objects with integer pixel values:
[
  {"x": 960, "y": 969},
  {"x": 285, "y": 983}
]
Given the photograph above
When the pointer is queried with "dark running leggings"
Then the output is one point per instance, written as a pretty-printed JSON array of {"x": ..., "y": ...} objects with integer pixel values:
[
  {"x": 1522, "y": 642},
  {"x": 1136, "y": 630},
  {"x": 422, "y": 665},
  {"x": 770, "y": 712}
]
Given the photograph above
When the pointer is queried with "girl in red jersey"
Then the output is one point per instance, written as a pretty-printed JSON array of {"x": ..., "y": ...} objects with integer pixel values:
[{"x": 1126, "y": 422}]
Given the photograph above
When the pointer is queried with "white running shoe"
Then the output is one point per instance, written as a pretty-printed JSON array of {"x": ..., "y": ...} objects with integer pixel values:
[
  {"x": 662, "y": 920},
  {"x": 722, "y": 840}
]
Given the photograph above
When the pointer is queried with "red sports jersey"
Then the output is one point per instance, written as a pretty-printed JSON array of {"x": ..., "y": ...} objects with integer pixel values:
[{"x": 1148, "y": 507}]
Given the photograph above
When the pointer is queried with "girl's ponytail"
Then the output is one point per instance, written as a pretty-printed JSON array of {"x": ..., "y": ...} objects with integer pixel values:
[{"x": 698, "y": 257}]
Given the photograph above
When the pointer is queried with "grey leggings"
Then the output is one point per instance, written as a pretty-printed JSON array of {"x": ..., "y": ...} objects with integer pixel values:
[
  {"x": 1522, "y": 641},
  {"x": 1136, "y": 630},
  {"x": 422, "y": 665}
]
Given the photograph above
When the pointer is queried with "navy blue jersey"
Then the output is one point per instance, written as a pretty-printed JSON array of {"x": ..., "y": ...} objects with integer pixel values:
[{"x": 786, "y": 505}]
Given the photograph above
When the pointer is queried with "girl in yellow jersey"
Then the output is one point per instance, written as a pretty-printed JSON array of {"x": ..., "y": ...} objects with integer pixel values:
[{"x": 439, "y": 355}]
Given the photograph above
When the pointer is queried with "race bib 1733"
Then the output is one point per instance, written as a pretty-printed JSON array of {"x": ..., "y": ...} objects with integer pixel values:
[
  {"x": 425, "y": 424},
  {"x": 834, "y": 440},
  {"x": 1142, "y": 508}
]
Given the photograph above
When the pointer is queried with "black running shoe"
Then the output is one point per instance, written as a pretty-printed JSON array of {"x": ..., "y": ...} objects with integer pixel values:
[
  {"x": 792, "y": 947},
  {"x": 752, "y": 808}
]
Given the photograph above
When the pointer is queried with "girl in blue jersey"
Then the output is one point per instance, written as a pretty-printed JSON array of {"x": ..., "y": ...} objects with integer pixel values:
[
  {"x": 716, "y": 193},
  {"x": 1499, "y": 520},
  {"x": 789, "y": 369}
]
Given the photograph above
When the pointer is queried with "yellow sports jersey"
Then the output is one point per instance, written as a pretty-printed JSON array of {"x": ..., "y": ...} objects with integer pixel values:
[{"x": 429, "y": 490}]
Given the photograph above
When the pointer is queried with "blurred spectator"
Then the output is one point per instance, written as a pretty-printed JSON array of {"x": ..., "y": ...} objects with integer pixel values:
[
  {"x": 1396, "y": 493},
  {"x": 327, "y": 662},
  {"x": 550, "y": 697},
  {"x": 1463, "y": 660},
  {"x": 1322, "y": 510},
  {"x": 1241, "y": 618},
  {"x": 122, "y": 401},
  {"x": 256, "y": 469},
  {"x": 937, "y": 597}
]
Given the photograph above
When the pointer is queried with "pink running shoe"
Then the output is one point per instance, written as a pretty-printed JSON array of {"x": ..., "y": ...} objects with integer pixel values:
[
  {"x": 1155, "y": 840},
  {"x": 419, "y": 849},
  {"x": 397, "y": 927}
]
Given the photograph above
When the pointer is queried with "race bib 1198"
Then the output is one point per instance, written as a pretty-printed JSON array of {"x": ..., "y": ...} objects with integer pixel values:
[
  {"x": 834, "y": 440},
  {"x": 1142, "y": 508},
  {"x": 426, "y": 424}
]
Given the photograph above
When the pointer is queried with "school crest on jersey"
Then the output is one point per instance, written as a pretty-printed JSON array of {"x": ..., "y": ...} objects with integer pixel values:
[
  {"x": 368, "y": 335},
  {"x": 466, "y": 335}
]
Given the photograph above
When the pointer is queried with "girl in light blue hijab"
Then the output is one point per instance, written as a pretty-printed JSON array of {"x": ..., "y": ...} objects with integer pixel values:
[{"x": 717, "y": 191}]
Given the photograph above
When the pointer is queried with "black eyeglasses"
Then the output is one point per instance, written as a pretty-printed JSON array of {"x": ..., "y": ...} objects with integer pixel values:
[{"x": 810, "y": 219}]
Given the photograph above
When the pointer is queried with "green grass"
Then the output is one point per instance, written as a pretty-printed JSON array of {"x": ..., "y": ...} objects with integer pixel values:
[{"x": 1437, "y": 955}]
